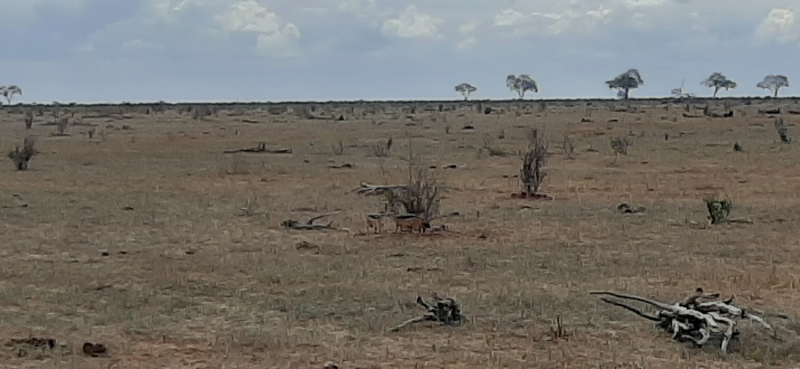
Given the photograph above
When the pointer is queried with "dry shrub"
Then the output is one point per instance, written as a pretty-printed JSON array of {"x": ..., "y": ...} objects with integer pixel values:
[
  {"x": 760, "y": 346},
  {"x": 382, "y": 150},
  {"x": 783, "y": 131},
  {"x": 201, "y": 111},
  {"x": 21, "y": 157},
  {"x": 531, "y": 174},
  {"x": 29, "y": 119},
  {"x": 620, "y": 145},
  {"x": 718, "y": 210},
  {"x": 62, "y": 125},
  {"x": 422, "y": 195}
]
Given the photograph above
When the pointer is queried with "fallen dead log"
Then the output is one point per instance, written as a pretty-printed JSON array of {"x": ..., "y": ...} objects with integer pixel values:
[
  {"x": 769, "y": 111},
  {"x": 445, "y": 311},
  {"x": 375, "y": 190},
  {"x": 261, "y": 148},
  {"x": 692, "y": 320},
  {"x": 309, "y": 225}
]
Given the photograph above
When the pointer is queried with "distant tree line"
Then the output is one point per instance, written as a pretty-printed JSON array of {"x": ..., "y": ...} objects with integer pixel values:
[{"x": 630, "y": 80}]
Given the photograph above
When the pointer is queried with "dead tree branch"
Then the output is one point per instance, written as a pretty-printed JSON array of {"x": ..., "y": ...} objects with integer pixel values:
[
  {"x": 445, "y": 311},
  {"x": 261, "y": 148},
  {"x": 692, "y": 320},
  {"x": 309, "y": 225}
]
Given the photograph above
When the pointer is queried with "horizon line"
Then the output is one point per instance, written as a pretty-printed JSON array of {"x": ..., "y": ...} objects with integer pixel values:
[{"x": 395, "y": 100}]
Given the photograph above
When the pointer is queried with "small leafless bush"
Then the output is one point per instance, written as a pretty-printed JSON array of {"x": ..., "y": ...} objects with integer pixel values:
[
  {"x": 493, "y": 150},
  {"x": 531, "y": 174},
  {"x": 620, "y": 145},
  {"x": 62, "y": 125},
  {"x": 21, "y": 157},
  {"x": 421, "y": 196},
  {"x": 29, "y": 119},
  {"x": 382, "y": 149},
  {"x": 569, "y": 148},
  {"x": 338, "y": 150},
  {"x": 718, "y": 210},
  {"x": 201, "y": 111},
  {"x": 239, "y": 165},
  {"x": 783, "y": 131}
]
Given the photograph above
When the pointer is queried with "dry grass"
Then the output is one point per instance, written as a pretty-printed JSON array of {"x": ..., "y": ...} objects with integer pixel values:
[{"x": 191, "y": 280}]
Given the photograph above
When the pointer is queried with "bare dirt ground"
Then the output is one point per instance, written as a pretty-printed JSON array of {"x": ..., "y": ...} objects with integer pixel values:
[{"x": 137, "y": 239}]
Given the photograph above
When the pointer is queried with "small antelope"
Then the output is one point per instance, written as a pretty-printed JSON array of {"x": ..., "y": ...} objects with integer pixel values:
[
  {"x": 375, "y": 220},
  {"x": 410, "y": 222}
]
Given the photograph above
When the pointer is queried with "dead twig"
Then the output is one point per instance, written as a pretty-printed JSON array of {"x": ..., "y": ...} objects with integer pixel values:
[{"x": 261, "y": 148}]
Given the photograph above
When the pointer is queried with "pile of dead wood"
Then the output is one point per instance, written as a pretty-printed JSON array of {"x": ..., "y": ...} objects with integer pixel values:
[
  {"x": 445, "y": 311},
  {"x": 698, "y": 318}
]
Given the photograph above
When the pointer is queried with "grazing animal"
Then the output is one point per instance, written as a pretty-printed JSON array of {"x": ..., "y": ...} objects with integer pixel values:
[
  {"x": 411, "y": 223},
  {"x": 375, "y": 220}
]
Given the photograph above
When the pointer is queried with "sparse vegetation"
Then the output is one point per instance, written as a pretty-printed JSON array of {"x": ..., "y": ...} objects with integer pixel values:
[
  {"x": 9, "y": 91},
  {"x": 382, "y": 149},
  {"x": 172, "y": 261},
  {"x": 783, "y": 131},
  {"x": 626, "y": 82},
  {"x": 21, "y": 157},
  {"x": 534, "y": 159},
  {"x": 29, "y": 119},
  {"x": 465, "y": 89},
  {"x": 569, "y": 148},
  {"x": 620, "y": 147},
  {"x": 718, "y": 81},
  {"x": 61, "y": 126},
  {"x": 521, "y": 84},
  {"x": 421, "y": 196},
  {"x": 774, "y": 83},
  {"x": 718, "y": 210}
]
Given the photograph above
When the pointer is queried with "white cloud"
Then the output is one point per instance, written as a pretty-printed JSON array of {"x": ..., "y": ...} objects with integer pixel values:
[
  {"x": 548, "y": 23},
  {"x": 358, "y": 8},
  {"x": 168, "y": 10},
  {"x": 15, "y": 12},
  {"x": 601, "y": 13},
  {"x": 467, "y": 44},
  {"x": 509, "y": 17},
  {"x": 248, "y": 16},
  {"x": 413, "y": 24},
  {"x": 646, "y": 2},
  {"x": 780, "y": 25},
  {"x": 468, "y": 28},
  {"x": 139, "y": 44}
]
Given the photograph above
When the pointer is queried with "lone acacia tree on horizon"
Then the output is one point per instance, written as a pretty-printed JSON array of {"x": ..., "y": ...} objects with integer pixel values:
[
  {"x": 466, "y": 89},
  {"x": 521, "y": 84},
  {"x": 9, "y": 91},
  {"x": 774, "y": 83},
  {"x": 625, "y": 82},
  {"x": 718, "y": 81}
]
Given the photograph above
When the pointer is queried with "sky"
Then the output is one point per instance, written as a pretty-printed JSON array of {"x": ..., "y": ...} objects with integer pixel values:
[{"x": 300, "y": 50}]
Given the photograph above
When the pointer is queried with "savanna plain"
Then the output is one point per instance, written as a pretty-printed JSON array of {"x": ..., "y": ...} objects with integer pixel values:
[{"x": 150, "y": 239}]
